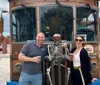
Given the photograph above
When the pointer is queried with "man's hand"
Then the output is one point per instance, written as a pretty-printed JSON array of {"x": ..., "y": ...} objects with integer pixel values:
[{"x": 36, "y": 59}]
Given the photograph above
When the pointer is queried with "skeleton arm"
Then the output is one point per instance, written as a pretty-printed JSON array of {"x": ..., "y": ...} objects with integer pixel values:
[
  {"x": 48, "y": 74},
  {"x": 50, "y": 52},
  {"x": 66, "y": 55}
]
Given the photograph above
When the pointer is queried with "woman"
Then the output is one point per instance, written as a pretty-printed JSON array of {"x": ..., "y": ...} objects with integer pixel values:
[{"x": 80, "y": 64}]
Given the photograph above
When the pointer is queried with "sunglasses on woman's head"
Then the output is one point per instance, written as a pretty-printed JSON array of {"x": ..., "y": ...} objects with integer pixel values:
[{"x": 80, "y": 40}]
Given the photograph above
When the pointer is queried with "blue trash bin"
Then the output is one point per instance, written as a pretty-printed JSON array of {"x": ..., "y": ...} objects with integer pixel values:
[
  {"x": 96, "y": 82},
  {"x": 11, "y": 83}
]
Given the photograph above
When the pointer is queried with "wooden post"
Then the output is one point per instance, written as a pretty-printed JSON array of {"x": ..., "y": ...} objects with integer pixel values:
[
  {"x": 4, "y": 47},
  {"x": 99, "y": 47},
  {"x": 58, "y": 72},
  {"x": 1, "y": 25}
]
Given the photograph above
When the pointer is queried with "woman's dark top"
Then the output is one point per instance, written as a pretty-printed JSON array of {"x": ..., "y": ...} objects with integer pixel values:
[{"x": 85, "y": 65}]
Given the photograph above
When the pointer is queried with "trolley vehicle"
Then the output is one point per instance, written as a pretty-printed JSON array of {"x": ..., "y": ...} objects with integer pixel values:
[{"x": 67, "y": 17}]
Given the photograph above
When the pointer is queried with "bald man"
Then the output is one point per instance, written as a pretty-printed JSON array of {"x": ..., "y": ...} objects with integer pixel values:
[{"x": 32, "y": 55}]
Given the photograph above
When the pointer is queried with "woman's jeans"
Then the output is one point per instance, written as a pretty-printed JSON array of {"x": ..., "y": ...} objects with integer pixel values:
[{"x": 27, "y": 79}]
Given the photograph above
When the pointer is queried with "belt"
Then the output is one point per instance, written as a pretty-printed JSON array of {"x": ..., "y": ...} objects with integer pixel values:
[{"x": 77, "y": 67}]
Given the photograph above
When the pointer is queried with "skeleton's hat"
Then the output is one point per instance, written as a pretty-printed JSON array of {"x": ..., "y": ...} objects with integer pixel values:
[{"x": 56, "y": 36}]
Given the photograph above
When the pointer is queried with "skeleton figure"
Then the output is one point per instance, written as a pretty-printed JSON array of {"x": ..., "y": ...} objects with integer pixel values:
[{"x": 57, "y": 52}]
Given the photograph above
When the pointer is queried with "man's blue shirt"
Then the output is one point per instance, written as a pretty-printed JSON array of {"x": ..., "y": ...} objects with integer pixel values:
[{"x": 32, "y": 50}]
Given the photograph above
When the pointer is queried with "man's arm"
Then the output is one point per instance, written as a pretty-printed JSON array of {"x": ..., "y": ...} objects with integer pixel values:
[{"x": 22, "y": 57}]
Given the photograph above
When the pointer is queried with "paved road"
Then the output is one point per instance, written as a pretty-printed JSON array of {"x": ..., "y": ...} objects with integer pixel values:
[{"x": 4, "y": 68}]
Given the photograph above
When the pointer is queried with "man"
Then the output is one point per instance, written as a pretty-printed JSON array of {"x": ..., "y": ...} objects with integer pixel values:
[{"x": 32, "y": 55}]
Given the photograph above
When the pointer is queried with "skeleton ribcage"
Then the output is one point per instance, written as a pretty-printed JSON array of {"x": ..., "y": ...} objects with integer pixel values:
[{"x": 55, "y": 51}]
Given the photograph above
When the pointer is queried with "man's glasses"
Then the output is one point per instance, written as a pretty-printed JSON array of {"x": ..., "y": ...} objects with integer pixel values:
[{"x": 80, "y": 40}]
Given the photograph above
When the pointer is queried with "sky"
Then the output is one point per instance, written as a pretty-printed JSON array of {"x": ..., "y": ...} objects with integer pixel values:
[{"x": 4, "y": 6}]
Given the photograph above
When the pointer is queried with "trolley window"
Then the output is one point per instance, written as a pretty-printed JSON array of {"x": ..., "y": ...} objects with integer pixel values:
[
  {"x": 87, "y": 23},
  {"x": 57, "y": 19},
  {"x": 23, "y": 24}
]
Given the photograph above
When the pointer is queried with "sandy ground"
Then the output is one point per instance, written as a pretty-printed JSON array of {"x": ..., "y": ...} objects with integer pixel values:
[{"x": 4, "y": 68}]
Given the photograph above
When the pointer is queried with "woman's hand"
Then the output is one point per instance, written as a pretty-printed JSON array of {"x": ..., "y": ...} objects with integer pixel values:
[{"x": 71, "y": 56}]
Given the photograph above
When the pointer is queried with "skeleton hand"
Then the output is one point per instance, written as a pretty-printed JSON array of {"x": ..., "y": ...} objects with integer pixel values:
[{"x": 64, "y": 44}]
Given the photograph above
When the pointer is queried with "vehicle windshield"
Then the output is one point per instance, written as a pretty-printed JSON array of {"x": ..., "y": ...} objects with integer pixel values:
[{"x": 57, "y": 19}]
